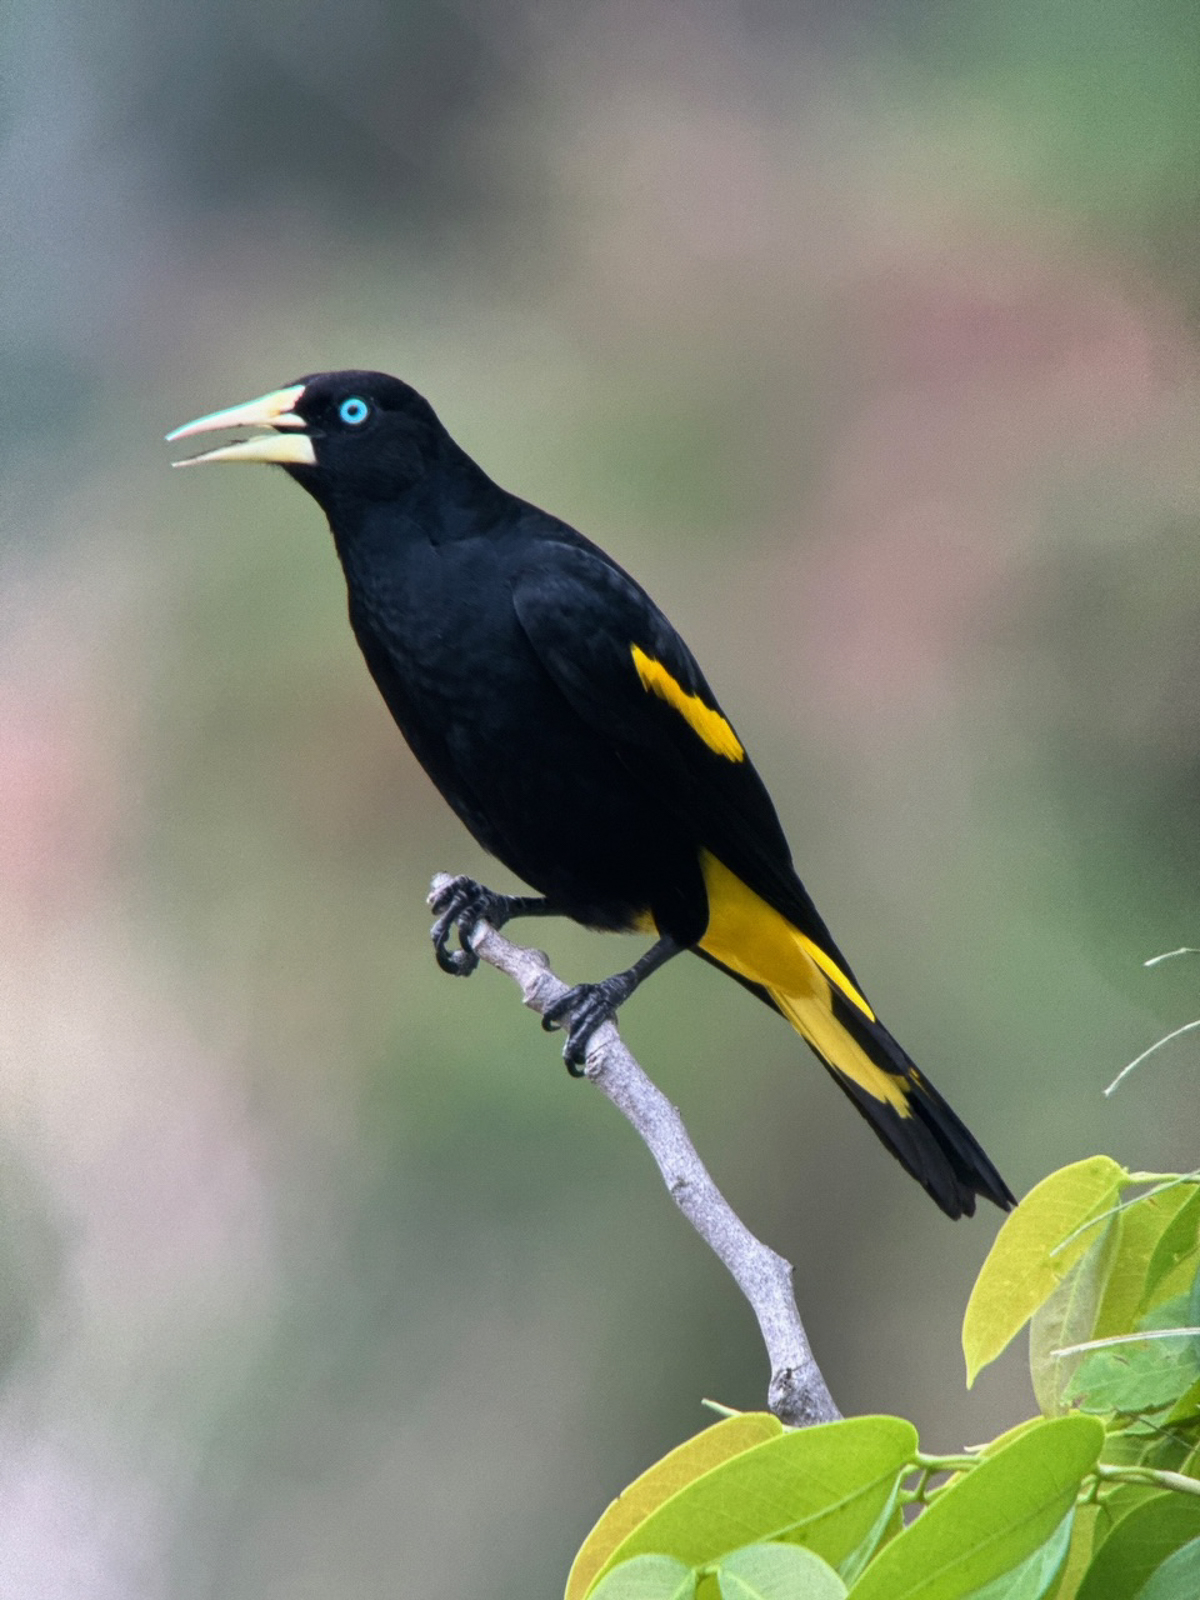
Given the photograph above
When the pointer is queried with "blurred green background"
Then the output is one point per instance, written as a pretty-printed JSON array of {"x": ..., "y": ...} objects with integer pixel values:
[{"x": 866, "y": 335}]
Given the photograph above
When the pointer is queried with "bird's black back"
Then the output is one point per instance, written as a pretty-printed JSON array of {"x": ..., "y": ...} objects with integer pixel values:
[{"x": 502, "y": 641}]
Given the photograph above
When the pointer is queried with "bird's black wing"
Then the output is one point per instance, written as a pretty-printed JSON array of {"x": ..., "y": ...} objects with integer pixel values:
[{"x": 627, "y": 672}]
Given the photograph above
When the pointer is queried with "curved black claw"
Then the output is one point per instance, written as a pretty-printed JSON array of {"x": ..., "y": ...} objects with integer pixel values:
[
  {"x": 460, "y": 904},
  {"x": 587, "y": 1005}
]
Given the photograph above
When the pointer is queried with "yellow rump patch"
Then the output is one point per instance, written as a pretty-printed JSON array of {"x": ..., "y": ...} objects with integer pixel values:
[
  {"x": 748, "y": 936},
  {"x": 710, "y": 725}
]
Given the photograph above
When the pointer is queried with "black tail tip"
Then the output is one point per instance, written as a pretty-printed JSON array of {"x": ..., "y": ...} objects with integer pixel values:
[
  {"x": 932, "y": 1144},
  {"x": 951, "y": 1164},
  {"x": 922, "y": 1132},
  {"x": 957, "y": 1197}
]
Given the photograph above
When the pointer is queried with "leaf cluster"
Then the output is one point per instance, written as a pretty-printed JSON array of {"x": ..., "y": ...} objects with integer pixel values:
[{"x": 1095, "y": 1498}]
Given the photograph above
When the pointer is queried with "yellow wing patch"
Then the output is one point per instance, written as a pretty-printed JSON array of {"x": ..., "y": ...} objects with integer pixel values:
[
  {"x": 747, "y": 935},
  {"x": 710, "y": 725}
]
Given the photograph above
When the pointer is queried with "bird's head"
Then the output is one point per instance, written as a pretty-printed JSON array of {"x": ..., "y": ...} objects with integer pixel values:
[{"x": 341, "y": 435}]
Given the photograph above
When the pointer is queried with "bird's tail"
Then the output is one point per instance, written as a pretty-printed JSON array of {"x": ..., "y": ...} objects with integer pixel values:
[
  {"x": 913, "y": 1120},
  {"x": 803, "y": 981}
]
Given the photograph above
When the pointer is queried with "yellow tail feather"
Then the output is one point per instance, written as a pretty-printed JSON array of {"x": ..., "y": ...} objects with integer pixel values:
[{"x": 751, "y": 938}]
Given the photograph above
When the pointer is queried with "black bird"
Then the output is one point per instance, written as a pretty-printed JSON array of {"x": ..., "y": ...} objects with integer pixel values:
[{"x": 570, "y": 728}]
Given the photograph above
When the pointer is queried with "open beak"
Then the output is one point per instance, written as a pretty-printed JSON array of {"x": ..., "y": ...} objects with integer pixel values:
[{"x": 274, "y": 411}]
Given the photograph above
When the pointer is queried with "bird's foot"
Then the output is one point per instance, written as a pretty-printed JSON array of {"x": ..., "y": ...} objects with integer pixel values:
[
  {"x": 460, "y": 904},
  {"x": 587, "y": 1005}
]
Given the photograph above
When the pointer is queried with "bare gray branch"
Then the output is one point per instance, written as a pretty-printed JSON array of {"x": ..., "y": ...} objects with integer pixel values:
[{"x": 797, "y": 1393}]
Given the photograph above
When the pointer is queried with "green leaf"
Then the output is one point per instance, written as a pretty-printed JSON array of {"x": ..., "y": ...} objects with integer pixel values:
[
  {"x": 1187, "y": 1407},
  {"x": 994, "y": 1446},
  {"x": 1135, "y": 1378},
  {"x": 1163, "y": 1451},
  {"x": 1158, "y": 1447},
  {"x": 1177, "y": 1312},
  {"x": 1067, "y": 1318},
  {"x": 1178, "y": 1281},
  {"x": 991, "y": 1520},
  {"x": 1037, "y": 1572},
  {"x": 647, "y": 1578},
  {"x": 888, "y": 1525},
  {"x": 778, "y": 1572},
  {"x": 1178, "y": 1241},
  {"x": 1085, "y": 1536},
  {"x": 1178, "y": 1578},
  {"x": 1139, "y": 1544},
  {"x": 686, "y": 1463},
  {"x": 1141, "y": 1225},
  {"x": 1120, "y": 1499},
  {"x": 825, "y": 1487},
  {"x": 1022, "y": 1270}
]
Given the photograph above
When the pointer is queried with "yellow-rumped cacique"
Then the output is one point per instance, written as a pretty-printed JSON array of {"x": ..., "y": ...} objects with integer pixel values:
[{"x": 570, "y": 728}]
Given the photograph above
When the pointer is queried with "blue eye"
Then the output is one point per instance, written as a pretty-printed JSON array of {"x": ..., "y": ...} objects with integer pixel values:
[{"x": 354, "y": 411}]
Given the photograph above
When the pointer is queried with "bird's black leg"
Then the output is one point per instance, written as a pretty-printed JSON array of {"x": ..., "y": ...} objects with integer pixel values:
[
  {"x": 590, "y": 1004},
  {"x": 462, "y": 903}
]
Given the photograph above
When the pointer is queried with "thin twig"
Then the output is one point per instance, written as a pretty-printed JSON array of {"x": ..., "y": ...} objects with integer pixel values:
[
  {"x": 1159, "y": 1476},
  {"x": 1169, "y": 955},
  {"x": 1125, "y": 1338},
  {"x": 1125, "y": 1071},
  {"x": 797, "y": 1394}
]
